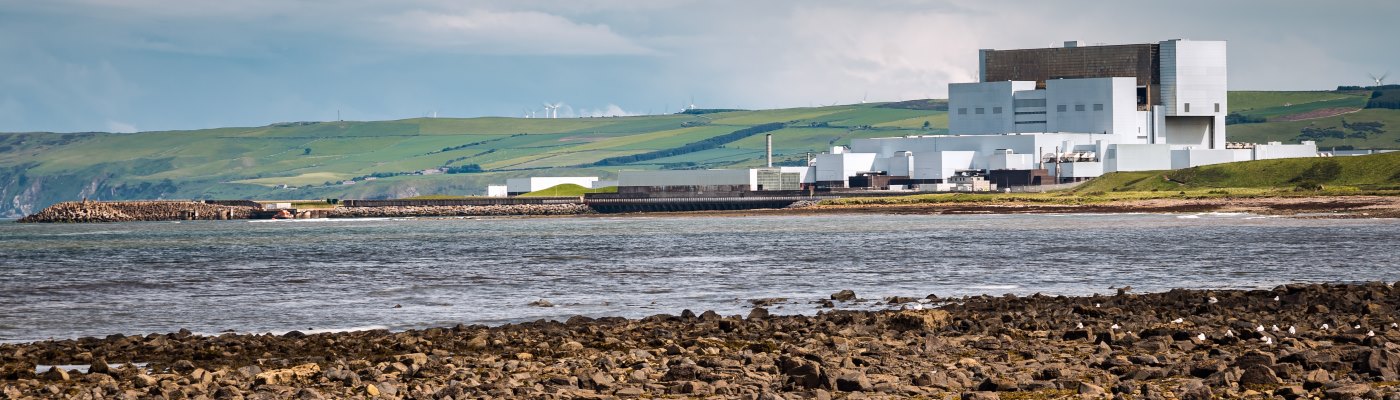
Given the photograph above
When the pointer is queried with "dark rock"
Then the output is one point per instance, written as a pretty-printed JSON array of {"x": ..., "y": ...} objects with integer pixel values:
[
  {"x": 1258, "y": 375},
  {"x": 844, "y": 295},
  {"x": 758, "y": 313},
  {"x": 853, "y": 381}
]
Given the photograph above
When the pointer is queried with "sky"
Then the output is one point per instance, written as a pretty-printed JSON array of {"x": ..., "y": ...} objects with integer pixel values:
[{"x": 144, "y": 65}]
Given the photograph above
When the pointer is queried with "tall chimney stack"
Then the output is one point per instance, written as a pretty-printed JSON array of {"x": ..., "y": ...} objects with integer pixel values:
[{"x": 770, "y": 150}]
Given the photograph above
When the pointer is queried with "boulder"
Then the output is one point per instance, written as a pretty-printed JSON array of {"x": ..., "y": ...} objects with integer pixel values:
[{"x": 844, "y": 295}]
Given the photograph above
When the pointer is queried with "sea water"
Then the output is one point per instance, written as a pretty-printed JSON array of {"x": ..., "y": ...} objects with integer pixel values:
[{"x": 73, "y": 280}]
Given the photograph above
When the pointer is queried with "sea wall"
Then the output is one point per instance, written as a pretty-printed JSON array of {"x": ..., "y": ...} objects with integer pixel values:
[
  {"x": 125, "y": 211},
  {"x": 457, "y": 211}
]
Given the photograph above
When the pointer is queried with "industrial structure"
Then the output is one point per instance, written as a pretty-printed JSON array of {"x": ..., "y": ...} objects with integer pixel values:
[{"x": 1036, "y": 116}]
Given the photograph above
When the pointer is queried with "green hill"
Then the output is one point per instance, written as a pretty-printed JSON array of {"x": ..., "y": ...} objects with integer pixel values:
[
  {"x": 381, "y": 159},
  {"x": 1371, "y": 172}
]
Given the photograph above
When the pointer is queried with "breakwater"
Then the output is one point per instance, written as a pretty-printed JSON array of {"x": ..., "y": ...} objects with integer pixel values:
[
  {"x": 1294, "y": 341},
  {"x": 457, "y": 211},
  {"x": 126, "y": 211}
]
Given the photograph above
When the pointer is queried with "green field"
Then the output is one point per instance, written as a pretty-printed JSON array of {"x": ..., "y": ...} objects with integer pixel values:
[{"x": 311, "y": 160}]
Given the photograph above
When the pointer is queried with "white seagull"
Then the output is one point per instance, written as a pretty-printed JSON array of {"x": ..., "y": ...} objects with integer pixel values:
[
  {"x": 1274, "y": 328},
  {"x": 1079, "y": 325},
  {"x": 1259, "y": 329},
  {"x": 1275, "y": 298},
  {"x": 1115, "y": 326},
  {"x": 1201, "y": 337},
  {"x": 1229, "y": 333},
  {"x": 1097, "y": 305},
  {"x": 1178, "y": 320},
  {"x": 1212, "y": 300},
  {"x": 1394, "y": 325},
  {"x": 1358, "y": 326},
  {"x": 1292, "y": 330},
  {"x": 1370, "y": 333},
  {"x": 1268, "y": 340},
  {"x": 1326, "y": 327}
]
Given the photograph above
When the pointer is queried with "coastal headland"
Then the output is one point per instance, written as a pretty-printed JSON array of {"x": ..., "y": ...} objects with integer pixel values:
[{"x": 1333, "y": 341}]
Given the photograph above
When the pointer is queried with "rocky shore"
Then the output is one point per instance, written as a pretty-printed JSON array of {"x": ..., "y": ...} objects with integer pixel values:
[
  {"x": 1294, "y": 341},
  {"x": 457, "y": 211},
  {"x": 126, "y": 211}
]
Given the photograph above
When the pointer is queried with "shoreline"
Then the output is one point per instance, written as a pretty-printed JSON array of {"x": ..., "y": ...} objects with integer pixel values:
[
  {"x": 1359, "y": 206},
  {"x": 1190, "y": 344}
]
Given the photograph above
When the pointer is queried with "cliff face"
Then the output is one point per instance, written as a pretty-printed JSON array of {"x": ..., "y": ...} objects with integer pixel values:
[{"x": 23, "y": 192}]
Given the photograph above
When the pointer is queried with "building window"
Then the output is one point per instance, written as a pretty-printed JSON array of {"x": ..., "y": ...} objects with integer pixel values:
[
  {"x": 981, "y": 111},
  {"x": 1030, "y": 113},
  {"x": 1217, "y": 107},
  {"x": 1060, "y": 108},
  {"x": 996, "y": 110},
  {"x": 962, "y": 111},
  {"x": 1078, "y": 107},
  {"x": 1098, "y": 107},
  {"x": 1188, "y": 107}
]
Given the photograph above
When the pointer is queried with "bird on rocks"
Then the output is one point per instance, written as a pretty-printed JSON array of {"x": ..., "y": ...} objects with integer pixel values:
[
  {"x": 1097, "y": 305},
  {"x": 1358, "y": 326},
  {"x": 1394, "y": 325},
  {"x": 1268, "y": 340},
  {"x": 1292, "y": 330},
  {"x": 1079, "y": 325},
  {"x": 1212, "y": 300},
  {"x": 1274, "y": 328},
  {"x": 1326, "y": 327},
  {"x": 1275, "y": 298},
  {"x": 1370, "y": 333},
  {"x": 1259, "y": 329},
  {"x": 1229, "y": 333},
  {"x": 1115, "y": 327},
  {"x": 1201, "y": 337},
  {"x": 1178, "y": 320}
]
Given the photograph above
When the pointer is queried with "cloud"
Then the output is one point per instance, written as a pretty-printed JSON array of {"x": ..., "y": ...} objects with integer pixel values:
[
  {"x": 507, "y": 32},
  {"x": 611, "y": 110},
  {"x": 120, "y": 127}
]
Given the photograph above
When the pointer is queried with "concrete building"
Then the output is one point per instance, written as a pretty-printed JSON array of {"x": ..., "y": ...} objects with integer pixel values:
[
  {"x": 519, "y": 186},
  {"x": 497, "y": 191}
]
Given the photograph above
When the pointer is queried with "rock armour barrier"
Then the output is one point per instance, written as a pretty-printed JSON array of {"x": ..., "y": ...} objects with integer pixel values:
[
  {"x": 457, "y": 211},
  {"x": 1333, "y": 342},
  {"x": 126, "y": 211}
]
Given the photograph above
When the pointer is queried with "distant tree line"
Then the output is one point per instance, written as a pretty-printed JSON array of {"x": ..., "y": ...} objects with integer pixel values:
[
  {"x": 1237, "y": 118},
  {"x": 1385, "y": 99},
  {"x": 1349, "y": 130},
  {"x": 707, "y": 144}
]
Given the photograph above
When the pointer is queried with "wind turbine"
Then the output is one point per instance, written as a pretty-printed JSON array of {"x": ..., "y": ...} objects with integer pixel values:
[
  {"x": 692, "y": 103},
  {"x": 1380, "y": 80},
  {"x": 552, "y": 110}
]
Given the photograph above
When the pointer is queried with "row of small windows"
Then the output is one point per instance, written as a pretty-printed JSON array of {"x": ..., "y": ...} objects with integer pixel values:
[
  {"x": 1058, "y": 108},
  {"x": 979, "y": 110},
  {"x": 1077, "y": 107},
  {"x": 1188, "y": 107}
]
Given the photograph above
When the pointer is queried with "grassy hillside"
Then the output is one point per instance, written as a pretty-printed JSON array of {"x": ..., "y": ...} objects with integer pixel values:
[
  {"x": 569, "y": 189},
  {"x": 1372, "y": 172},
  {"x": 316, "y": 160},
  {"x": 1334, "y": 119}
]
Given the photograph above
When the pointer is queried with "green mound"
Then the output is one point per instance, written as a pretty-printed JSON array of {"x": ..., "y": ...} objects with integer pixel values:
[
  {"x": 568, "y": 189},
  {"x": 1371, "y": 172}
]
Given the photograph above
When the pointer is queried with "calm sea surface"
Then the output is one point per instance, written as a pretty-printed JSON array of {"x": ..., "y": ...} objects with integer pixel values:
[{"x": 64, "y": 281}]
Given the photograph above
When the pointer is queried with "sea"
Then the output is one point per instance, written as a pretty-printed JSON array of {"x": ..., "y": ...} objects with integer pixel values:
[{"x": 62, "y": 281}]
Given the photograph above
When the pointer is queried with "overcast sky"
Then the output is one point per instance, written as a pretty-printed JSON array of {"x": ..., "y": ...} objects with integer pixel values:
[{"x": 127, "y": 65}]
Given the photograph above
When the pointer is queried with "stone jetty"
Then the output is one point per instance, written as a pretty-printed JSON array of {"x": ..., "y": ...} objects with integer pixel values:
[
  {"x": 125, "y": 211},
  {"x": 1294, "y": 341},
  {"x": 458, "y": 211}
]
